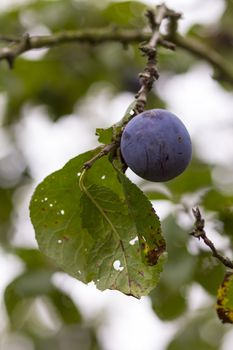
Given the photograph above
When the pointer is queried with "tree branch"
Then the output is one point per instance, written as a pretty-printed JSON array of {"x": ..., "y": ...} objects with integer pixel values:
[
  {"x": 124, "y": 36},
  {"x": 224, "y": 71},
  {"x": 150, "y": 72},
  {"x": 199, "y": 232}
]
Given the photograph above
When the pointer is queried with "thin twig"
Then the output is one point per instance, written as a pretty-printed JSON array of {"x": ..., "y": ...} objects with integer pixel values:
[
  {"x": 104, "y": 151},
  {"x": 9, "y": 39},
  {"x": 199, "y": 232},
  {"x": 150, "y": 72}
]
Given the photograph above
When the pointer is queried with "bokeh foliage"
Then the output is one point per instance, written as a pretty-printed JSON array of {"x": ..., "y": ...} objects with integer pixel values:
[{"x": 59, "y": 80}]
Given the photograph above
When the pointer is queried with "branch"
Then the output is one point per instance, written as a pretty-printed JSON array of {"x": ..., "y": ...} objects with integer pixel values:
[
  {"x": 150, "y": 72},
  {"x": 199, "y": 232},
  {"x": 124, "y": 36},
  {"x": 90, "y": 36},
  {"x": 11, "y": 52},
  {"x": 9, "y": 39},
  {"x": 104, "y": 151},
  {"x": 224, "y": 71}
]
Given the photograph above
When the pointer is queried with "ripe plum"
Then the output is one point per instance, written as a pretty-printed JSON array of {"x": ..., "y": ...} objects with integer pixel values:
[{"x": 156, "y": 145}]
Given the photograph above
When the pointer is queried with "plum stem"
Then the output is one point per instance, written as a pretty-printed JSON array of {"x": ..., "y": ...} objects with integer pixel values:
[
  {"x": 150, "y": 72},
  {"x": 103, "y": 152},
  {"x": 199, "y": 232}
]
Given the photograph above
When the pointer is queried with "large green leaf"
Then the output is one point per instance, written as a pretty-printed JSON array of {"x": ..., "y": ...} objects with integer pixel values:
[
  {"x": 146, "y": 221},
  {"x": 88, "y": 224}
]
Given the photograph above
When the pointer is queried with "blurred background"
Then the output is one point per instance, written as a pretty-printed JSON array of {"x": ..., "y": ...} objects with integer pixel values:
[{"x": 50, "y": 105}]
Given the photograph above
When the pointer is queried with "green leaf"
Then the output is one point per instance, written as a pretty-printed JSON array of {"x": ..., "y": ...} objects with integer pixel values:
[
  {"x": 170, "y": 296},
  {"x": 222, "y": 204},
  {"x": 225, "y": 299},
  {"x": 182, "y": 63},
  {"x": 26, "y": 286},
  {"x": 168, "y": 303},
  {"x": 195, "y": 177},
  {"x": 129, "y": 113},
  {"x": 198, "y": 331},
  {"x": 208, "y": 272},
  {"x": 33, "y": 259},
  {"x": 6, "y": 207},
  {"x": 126, "y": 13},
  {"x": 104, "y": 135},
  {"x": 147, "y": 222},
  {"x": 30, "y": 285},
  {"x": 55, "y": 214},
  {"x": 65, "y": 307},
  {"x": 91, "y": 230},
  {"x": 5, "y": 204}
]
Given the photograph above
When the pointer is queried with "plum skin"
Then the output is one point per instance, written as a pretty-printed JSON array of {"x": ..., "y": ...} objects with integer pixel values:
[{"x": 156, "y": 145}]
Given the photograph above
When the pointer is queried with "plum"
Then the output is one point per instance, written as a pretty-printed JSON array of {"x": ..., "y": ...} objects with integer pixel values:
[{"x": 156, "y": 145}]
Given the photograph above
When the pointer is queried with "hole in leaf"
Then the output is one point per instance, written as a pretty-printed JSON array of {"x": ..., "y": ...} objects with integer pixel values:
[
  {"x": 59, "y": 241},
  {"x": 133, "y": 241},
  {"x": 103, "y": 177},
  {"x": 78, "y": 174},
  {"x": 51, "y": 205},
  {"x": 62, "y": 212},
  {"x": 117, "y": 265}
]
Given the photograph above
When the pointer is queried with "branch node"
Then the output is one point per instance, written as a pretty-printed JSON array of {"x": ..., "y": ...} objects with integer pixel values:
[
  {"x": 151, "y": 18},
  {"x": 26, "y": 41},
  {"x": 199, "y": 232},
  {"x": 167, "y": 44}
]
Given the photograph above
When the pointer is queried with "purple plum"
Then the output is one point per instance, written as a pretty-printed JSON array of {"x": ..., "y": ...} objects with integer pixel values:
[{"x": 156, "y": 145}]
